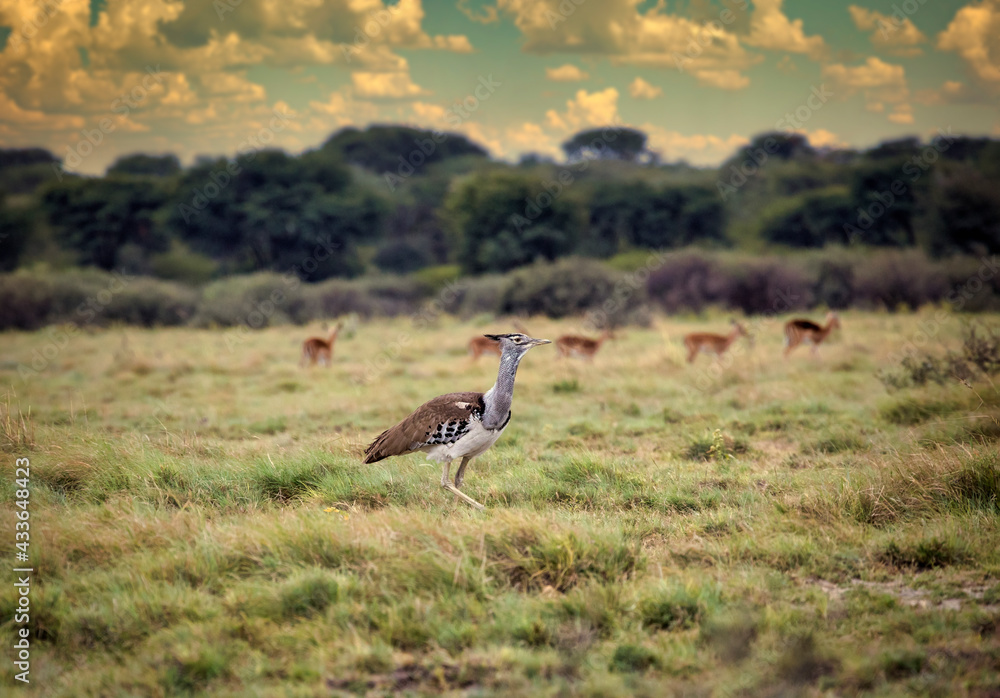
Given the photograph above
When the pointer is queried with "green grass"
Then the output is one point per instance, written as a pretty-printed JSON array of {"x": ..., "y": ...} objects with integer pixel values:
[{"x": 202, "y": 523}]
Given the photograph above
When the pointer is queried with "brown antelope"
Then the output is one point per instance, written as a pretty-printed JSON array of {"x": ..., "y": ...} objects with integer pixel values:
[
  {"x": 718, "y": 344},
  {"x": 799, "y": 330},
  {"x": 318, "y": 349},
  {"x": 481, "y": 344},
  {"x": 571, "y": 344}
]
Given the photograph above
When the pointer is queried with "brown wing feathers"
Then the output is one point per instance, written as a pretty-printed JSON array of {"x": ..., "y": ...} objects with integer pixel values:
[{"x": 421, "y": 427}]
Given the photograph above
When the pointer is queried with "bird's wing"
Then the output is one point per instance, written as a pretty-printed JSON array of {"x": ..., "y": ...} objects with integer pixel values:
[{"x": 443, "y": 420}]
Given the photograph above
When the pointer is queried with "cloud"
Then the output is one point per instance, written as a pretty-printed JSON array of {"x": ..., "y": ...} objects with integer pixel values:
[
  {"x": 974, "y": 33},
  {"x": 588, "y": 109},
  {"x": 901, "y": 114},
  {"x": 455, "y": 44},
  {"x": 626, "y": 35},
  {"x": 881, "y": 83},
  {"x": 566, "y": 73},
  {"x": 952, "y": 92},
  {"x": 640, "y": 89},
  {"x": 386, "y": 85},
  {"x": 822, "y": 138},
  {"x": 530, "y": 137},
  {"x": 488, "y": 14},
  {"x": 342, "y": 108},
  {"x": 895, "y": 33},
  {"x": 874, "y": 73},
  {"x": 771, "y": 29},
  {"x": 723, "y": 79},
  {"x": 33, "y": 120},
  {"x": 787, "y": 65},
  {"x": 697, "y": 149}
]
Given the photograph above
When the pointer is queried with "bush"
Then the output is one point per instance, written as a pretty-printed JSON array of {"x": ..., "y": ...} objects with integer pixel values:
[
  {"x": 566, "y": 287},
  {"x": 894, "y": 279},
  {"x": 688, "y": 281},
  {"x": 91, "y": 297},
  {"x": 151, "y": 303},
  {"x": 256, "y": 300},
  {"x": 768, "y": 286},
  {"x": 181, "y": 264},
  {"x": 475, "y": 295}
]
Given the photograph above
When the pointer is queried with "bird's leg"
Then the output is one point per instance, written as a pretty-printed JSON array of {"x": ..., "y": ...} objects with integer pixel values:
[
  {"x": 460, "y": 475},
  {"x": 458, "y": 480},
  {"x": 451, "y": 488}
]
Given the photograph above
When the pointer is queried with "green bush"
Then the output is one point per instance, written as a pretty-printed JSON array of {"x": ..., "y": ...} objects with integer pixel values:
[
  {"x": 567, "y": 287},
  {"x": 183, "y": 265},
  {"x": 256, "y": 300},
  {"x": 152, "y": 303}
]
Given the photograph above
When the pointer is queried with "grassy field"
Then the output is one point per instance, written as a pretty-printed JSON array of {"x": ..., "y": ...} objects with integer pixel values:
[{"x": 201, "y": 521}]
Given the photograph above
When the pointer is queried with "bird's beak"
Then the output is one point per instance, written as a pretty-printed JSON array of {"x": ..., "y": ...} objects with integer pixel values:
[{"x": 540, "y": 341}]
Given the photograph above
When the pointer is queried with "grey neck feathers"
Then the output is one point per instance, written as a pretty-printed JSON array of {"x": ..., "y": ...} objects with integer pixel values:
[{"x": 498, "y": 398}]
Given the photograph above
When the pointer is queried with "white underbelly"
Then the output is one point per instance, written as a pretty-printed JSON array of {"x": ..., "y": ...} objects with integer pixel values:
[{"x": 478, "y": 439}]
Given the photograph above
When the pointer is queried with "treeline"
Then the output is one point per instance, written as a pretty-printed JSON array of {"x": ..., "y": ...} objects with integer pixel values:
[
  {"x": 397, "y": 200},
  {"x": 622, "y": 290}
]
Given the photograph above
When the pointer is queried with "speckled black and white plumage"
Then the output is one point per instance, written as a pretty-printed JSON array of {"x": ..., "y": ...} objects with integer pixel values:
[{"x": 458, "y": 425}]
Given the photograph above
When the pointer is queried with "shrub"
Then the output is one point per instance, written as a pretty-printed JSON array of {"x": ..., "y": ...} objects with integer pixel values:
[
  {"x": 181, "y": 264},
  {"x": 913, "y": 411},
  {"x": 151, "y": 303},
  {"x": 566, "y": 287},
  {"x": 688, "y": 281},
  {"x": 678, "y": 607},
  {"x": 475, "y": 295},
  {"x": 256, "y": 300},
  {"x": 924, "y": 554},
  {"x": 905, "y": 278},
  {"x": 91, "y": 297},
  {"x": 768, "y": 286},
  {"x": 632, "y": 658}
]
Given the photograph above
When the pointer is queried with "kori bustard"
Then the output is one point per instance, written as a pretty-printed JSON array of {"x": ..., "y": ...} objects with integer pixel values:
[{"x": 459, "y": 425}]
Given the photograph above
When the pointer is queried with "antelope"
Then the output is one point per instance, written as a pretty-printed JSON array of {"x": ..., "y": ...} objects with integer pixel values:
[
  {"x": 482, "y": 344},
  {"x": 799, "y": 330},
  {"x": 570, "y": 344},
  {"x": 718, "y": 344},
  {"x": 318, "y": 349}
]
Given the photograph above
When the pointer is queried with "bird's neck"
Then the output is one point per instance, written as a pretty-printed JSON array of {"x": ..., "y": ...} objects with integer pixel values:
[{"x": 499, "y": 397}]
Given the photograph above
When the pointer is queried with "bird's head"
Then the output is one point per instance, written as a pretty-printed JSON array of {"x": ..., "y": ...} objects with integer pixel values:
[{"x": 516, "y": 343}]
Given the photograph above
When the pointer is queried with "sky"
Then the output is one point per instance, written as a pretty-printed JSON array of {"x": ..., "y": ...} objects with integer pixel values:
[{"x": 92, "y": 80}]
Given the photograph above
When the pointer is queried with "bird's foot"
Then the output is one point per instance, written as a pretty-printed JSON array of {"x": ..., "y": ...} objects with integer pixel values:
[{"x": 451, "y": 488}]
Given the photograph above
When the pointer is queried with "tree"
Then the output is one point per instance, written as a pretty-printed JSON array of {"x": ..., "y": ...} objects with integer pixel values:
[
  {"x": 98, "y": 218},
  {"x": 610, "y": 142},
  {"x": 16, "y": 227},
  {"x": 895, "y": 149},
  {"x": 399, "y": 149},
  {"x": 811, "y": 219},
  {"x": 506, "y": 219},
  {"x": 639, "y": 215},
  {"x": 270, "y": 210},
  {"x": 19, "y": 157},
  {"x": 23, "y": 170},
  {"x": 886, "y": 202},
  {"x": 143, "y": 165},
  {"x": 967, "y": 214}
]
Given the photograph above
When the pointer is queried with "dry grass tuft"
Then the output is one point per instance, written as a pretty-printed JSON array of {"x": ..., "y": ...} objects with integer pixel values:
[{"x": 17, "y": 433}]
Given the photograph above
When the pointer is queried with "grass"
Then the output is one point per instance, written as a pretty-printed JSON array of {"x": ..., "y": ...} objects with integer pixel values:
[{"x": 201, "y": 521}]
